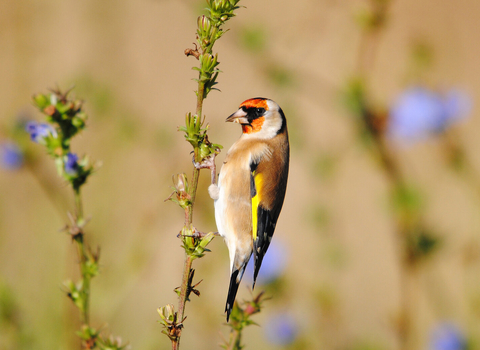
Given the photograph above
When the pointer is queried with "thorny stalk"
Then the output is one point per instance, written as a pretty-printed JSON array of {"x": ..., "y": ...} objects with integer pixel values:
[
  {"x": 65, "y": 118},
  {"x": 209, "y": 29}
]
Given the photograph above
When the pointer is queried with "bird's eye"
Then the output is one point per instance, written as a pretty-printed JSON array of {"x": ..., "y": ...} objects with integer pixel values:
[{"x": 260, "y": 111}]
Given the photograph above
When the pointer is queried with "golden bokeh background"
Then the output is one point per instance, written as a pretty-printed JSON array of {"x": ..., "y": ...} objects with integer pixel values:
[{"x": 126, "y": 60}]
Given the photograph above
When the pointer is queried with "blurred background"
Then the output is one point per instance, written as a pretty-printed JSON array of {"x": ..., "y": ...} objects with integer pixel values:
[{"x": 378, "y": 244}]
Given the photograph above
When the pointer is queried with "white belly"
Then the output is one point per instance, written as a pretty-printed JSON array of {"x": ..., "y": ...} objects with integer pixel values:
[{"x": 222, "y": 225}]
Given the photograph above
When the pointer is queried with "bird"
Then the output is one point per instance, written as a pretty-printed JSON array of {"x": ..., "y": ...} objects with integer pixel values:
[{"x": 251, "y": 187}]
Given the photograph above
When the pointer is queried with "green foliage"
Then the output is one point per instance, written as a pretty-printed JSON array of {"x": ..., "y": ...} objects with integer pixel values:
[
  {"x": 324, "y": 166},
  {"x": 353, "y": 97},
  {"x": 168, "y": 319},
  {"x": 279, "y": 75},
  {"x": 375, "y": 17},
  {"x": 180, "y": 194},
  {"x": 64, "y": 113},
  {"x": 92, "y": 339},
  {"x": 254, "y": 39},
  {"x": 221, "y": 10},
  {"x": 209, "y": 30},
  {"x": 111, "y": 343},
  {"x": 12, "y": 327},
  {"x": 420, "y": 245},
  {"x": 66, "y": 119},
  {"x": 195, "y": 246},
  {"x": 319, "y": 216},
  {"x": 240, "y": 317},
  {"x": 407, "y": 202}
]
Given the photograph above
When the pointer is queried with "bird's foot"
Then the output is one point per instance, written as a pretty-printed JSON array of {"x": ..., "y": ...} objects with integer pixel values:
[{"x": 207, "y": 163}]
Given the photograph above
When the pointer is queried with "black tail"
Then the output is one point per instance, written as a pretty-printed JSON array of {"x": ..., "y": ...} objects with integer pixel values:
[
  {"x": 258, "y": 258},
  {"x": 235, "y": 279}
]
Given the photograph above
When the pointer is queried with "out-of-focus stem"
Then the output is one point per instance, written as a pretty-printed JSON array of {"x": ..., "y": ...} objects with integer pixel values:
[
  {"x": 407, "y": 268},
  {"x": 83, "y": 257},
  {"x": 235, "y": 340},
  {"x": 78, "y": 206},
  {"x": 366, "y": 57}
]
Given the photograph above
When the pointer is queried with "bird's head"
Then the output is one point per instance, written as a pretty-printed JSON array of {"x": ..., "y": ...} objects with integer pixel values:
[{"x": 260, "y": 117}]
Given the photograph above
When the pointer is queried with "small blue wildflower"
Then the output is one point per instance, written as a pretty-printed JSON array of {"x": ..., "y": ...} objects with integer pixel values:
[
  {"x": 11, "y": 157},
  {"x": 281, "y": 329},
  {"x": 418, "y": 113},
  {"x": 457, "y": 105},
  {"x": 39, "y": 131},
  {"x": 71, "y": 164},
  {"x": 273, "y": 264},
  {"x": 447, "y": 336}
]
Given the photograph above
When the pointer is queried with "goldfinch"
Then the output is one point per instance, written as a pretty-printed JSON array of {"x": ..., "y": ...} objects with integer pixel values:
[{"x": 251, "y": 187}]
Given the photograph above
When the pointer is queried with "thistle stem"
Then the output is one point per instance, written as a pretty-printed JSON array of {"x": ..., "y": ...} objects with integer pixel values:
[
  {"x": 187, "y": 266},
  {"x": 83, "y": 259},
  {"x": 183, "y": 288},
  {"x": 235, "y": 339},
  {"x": 78, "y": 206}
]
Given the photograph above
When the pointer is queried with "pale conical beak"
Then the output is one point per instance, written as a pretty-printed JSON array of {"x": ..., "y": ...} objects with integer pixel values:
[{"x": 239, "y": 116}]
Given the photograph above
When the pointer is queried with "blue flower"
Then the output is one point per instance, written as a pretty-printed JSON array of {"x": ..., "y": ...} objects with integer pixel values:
[
  {"x": 418, "y": 113},
  {"x": 447, "y": 336},
  {"x": 273, "y": 264},
  {"x": 71, "y": 164},
  {"x": 281, "y": 329},
  {"x": 11, "y": 157},
  {"x": 39, "y": 131}
]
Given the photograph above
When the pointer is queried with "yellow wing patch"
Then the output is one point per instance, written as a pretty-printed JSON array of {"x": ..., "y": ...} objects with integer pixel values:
[{"x": 258, "y": 180}]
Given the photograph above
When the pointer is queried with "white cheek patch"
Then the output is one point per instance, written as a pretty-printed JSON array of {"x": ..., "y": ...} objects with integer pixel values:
[{"x": 270, "y": 127}]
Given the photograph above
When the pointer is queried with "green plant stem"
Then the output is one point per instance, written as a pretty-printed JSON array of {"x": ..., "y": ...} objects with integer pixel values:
[
  {"x": 193, "y": 193},
  {"x": 83, "y": 257},
  {"x": 183, "y": 290},
  {"x": 78, "y": 207},
  {"x": 85, "y": 280},
  {"x": 182, "y": 298},
  {"x": 200, "y": 98},
  {"x": 369, "y": 41},
  {"x": 196, "y": 172},
  {"x": 407, "y": 271},
  {"x": 235, "y": 339}
]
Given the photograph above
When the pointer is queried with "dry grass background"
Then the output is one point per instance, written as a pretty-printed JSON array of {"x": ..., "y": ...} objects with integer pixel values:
[{"x": 126, "y": 60}]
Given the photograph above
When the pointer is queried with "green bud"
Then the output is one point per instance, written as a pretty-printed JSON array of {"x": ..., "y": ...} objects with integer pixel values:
[
  {"x": 200, "y": 249},
  {"x": 167, "y": 313},
  {"x": 195, "y": 246},
  {"x": 88, "y": 333},
  {"x": 180, "y": 191},
  {"x": 92, "y": 268},
  {"x": 74, "y": 292},
  {"x": 204, "y": 24},
  {"x": 78, "y": 122},
  {"x": 64, "y": 108},
  {"x": 41, "y": 101}
]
